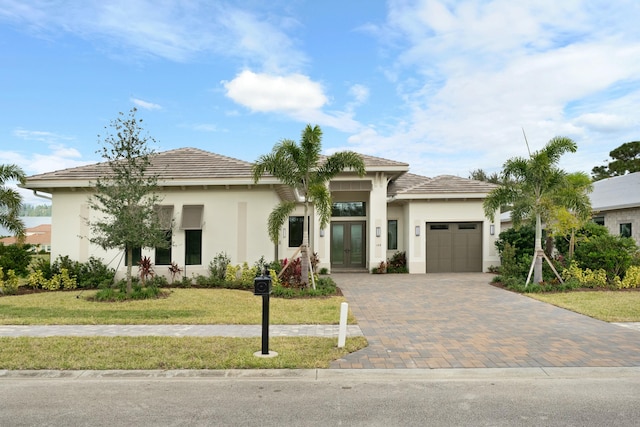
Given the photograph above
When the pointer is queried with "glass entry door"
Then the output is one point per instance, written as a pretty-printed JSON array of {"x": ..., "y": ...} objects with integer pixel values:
[{"x": 348, "y": 245}]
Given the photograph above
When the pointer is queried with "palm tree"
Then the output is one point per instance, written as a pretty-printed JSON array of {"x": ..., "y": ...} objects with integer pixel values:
[
  {"x": 529, "y": 186},
  {"x": 302, "y": 168},
  {"x": 10, "y": 200}
]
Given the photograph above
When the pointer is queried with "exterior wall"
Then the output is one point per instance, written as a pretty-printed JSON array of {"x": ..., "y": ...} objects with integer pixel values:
[
  {"x": 234, "y": 222},
  {"x": 418, "y": 213},
  {"x": 613, "y": 219},
  {"x": 377, "y": 220}
]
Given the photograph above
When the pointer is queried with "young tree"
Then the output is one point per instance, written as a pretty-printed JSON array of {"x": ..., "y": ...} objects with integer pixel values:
[
  {"x": 529, "y": 186},
  {"x": 302, "y": 168},
  {"x": 626, "y": 159},
  {"x": 126, "y": 196},
  {"x": 10, "y": 200},
  {"x": 573, "y": 208}
]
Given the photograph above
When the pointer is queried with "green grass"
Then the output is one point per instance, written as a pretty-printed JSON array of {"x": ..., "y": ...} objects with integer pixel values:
[
  {"x": 182, "y": 306},
  {"x": 101, "y": 353},
  {"x": 604, "y": 305}
]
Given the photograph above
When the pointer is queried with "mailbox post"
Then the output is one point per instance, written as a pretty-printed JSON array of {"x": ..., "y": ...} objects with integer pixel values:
[{"x": 262, "y": 287}]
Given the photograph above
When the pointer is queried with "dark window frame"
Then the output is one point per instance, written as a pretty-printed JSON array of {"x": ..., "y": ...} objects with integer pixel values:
[{"x": 392, "y": 235}]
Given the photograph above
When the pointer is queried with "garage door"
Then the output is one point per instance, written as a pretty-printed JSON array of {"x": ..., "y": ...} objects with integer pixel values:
[{"x": 454, "y": 247}]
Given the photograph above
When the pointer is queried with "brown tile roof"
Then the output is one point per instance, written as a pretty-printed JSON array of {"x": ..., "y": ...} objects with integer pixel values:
[
  {"x": 411, "y": 184},
  {"x": 173, "y": 164}
]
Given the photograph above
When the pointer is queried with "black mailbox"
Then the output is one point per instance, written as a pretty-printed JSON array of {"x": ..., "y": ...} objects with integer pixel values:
[{"x": 262, "y": 285}]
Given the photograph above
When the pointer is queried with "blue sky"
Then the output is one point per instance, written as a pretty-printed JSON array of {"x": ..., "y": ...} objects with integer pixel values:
[{"x": 446, "y": 86}]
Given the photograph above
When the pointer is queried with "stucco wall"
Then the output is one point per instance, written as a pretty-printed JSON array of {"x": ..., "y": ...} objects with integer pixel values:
[
  {"x": 421, "y": 212},
  {"x": 234, "y": 221}
]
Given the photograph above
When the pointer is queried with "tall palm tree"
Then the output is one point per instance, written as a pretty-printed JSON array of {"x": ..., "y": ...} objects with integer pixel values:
[
  {"x": 302, "y": 168},
  {"x": 529, "y": 186},
  {"x": 10, "y": 200}
]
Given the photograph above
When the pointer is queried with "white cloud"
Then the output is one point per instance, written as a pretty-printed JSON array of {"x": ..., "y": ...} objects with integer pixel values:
[
  {"x": 474, "y": 74},
  {"x": 37, "y": 135},
  {"x": 294, "y": 95},
  {"x": 145, "y": 104},
  {"x": 268, "y": 93}
]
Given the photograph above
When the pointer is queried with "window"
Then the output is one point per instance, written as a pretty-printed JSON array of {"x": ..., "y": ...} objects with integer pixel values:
[
  {"x": 137, "y": 256},
  {"x": 392, "y": 234},
  {"x": 193, "y": 247},
  {"x": 349, "y": 209},
  {"x": 599, "y": 220},
  {"x": 163, "y": 255},
  {"x": 296, "y": 225},
  {"x": 625, "y": 229}
]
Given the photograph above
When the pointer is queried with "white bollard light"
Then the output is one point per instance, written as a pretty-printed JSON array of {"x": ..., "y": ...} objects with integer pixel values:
[{"x": 342, "y": 331}]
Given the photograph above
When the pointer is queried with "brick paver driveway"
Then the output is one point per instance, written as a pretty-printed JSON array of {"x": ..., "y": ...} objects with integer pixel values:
[{"x": 461, "y": 321}]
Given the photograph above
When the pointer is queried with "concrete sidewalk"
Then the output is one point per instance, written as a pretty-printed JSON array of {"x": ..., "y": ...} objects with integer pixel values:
[{"x": 174, "y": 330}]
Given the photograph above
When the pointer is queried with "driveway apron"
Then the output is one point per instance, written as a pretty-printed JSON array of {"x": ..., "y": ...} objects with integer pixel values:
[{"x": 461, "y": 321}]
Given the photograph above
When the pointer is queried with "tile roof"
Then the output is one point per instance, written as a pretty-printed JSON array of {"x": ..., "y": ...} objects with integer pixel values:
[
  {"x": 412, "y": 184},
  {"x": 172, "y": 164}
]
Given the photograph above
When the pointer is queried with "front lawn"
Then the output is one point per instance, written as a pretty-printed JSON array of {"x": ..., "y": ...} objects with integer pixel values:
[
  {"x": 610, "y": 306},
  {"x": 78, "y": 353},
  {"x": 183, "y": 306}
]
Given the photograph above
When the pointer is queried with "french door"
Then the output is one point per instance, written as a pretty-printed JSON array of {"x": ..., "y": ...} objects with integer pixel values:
[{"x": 348, "y": 246}]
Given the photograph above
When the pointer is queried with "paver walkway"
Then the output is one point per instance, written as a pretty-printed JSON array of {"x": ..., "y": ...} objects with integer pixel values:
[{"x": 461, "y": 321}]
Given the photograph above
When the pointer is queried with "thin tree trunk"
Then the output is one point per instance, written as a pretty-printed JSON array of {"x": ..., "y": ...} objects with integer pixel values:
[
  {"x": 304, "y": 254},
  {"x": 537, "y": 269},
  {"x": 129, "y": 267}
]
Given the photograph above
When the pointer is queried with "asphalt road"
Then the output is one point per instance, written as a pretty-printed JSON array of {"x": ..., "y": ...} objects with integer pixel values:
[{"x": 528, "y": 397}]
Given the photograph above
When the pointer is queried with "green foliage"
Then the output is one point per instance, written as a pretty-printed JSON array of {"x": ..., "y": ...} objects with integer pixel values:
[
  {"x": 325, "y": 286},
  {"x": 138, "y": 292},
  {"x": 586, "y": 278},
  {"x": 60, "y": 280},
  {"x": 301, "y": 167},
  {"x": 626, "y": 159},
  {"x": 125, "y": 195},
  {"x": 9, "y": 282},
  {"x": 613, "y": 254},
  {"x": 398, "y": 263},
  {"x": 631, "y": 279},
  {"x": 15, "y": 257},
  {"x": 37, "y": 280},
  {"x": 588, "y": 229},
  {"x": 218, "y": 267},
  {"x": 521, "y": 239},
  {"x": 35, "y": 210},
  {"x": 510, "y": 267},
  {"x": 10, "y": 200}
]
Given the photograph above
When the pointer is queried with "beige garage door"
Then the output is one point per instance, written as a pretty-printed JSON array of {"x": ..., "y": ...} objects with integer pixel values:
[{"x": 454, "y": 247}]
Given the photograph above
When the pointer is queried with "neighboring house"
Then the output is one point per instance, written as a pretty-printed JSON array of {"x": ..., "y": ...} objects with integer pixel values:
[
  {"x": 216, "y": 207},
  {"x": 616, "y": 204},
  {"x": 39, "y": 237}
]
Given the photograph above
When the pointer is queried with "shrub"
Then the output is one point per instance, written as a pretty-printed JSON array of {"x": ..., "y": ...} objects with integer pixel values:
[
  {"x": 16, "y": 258},
  {"x": 522, "y": 239},
  {"x": 174, "y": 271},
  {"x": 631, "y": 279},
  {"x": 613, "y": 254},
  {"x": 37, "y": 279},
  {"x": 60, "y": 281},
  {"x": 397, "y": 263},
  {"x": 145, "y": 269},
  {"x": 8, "y": 282},
  {"x": 218, "y": 267},
  {"x": 138, "y": 292},
  {"x": 585, "y": 278}
]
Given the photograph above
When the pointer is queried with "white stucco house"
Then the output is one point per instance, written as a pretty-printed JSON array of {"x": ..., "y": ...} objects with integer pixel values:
[{"x": 216, "y": 207}]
